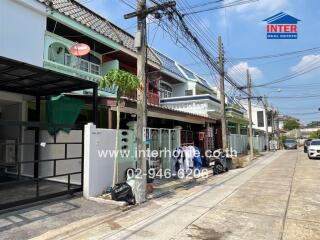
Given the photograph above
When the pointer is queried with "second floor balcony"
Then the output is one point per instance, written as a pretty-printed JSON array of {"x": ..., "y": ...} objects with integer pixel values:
[
  {"x": 58, "y": 58},
  {"x": 152, "y": 97},
  {"x": 234, "y": 111},
  {"x": 235, "y": 115},
  {"x": 91, "y": 67},
  {"x": 204, "y": 104}
]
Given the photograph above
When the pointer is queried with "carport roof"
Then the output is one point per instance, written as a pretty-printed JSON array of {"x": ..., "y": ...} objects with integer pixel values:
[{"x": 20, "y": 77}]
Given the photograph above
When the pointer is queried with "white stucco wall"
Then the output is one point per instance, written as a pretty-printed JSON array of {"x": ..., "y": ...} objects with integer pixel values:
[
  {"x": 255, "y": 110},
  {"x": 22, "y": 28},
  {"x": 192, "y": 86},
  {"x": 281, "y": 125},
  {"x": 179, "y": 90},
  {"x": 98, "y": 168}
]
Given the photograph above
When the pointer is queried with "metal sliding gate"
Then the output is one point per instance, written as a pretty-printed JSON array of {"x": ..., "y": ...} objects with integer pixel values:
[
  {"x": 39, "y": 161},
  {"x": 163, "y": 141}
]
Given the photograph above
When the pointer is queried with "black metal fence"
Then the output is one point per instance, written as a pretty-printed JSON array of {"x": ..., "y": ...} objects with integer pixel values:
[{"x": 36, "y": 165}]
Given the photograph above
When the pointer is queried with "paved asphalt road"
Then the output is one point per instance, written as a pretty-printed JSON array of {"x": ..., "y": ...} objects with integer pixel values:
[{"x": 277, "y": 197}]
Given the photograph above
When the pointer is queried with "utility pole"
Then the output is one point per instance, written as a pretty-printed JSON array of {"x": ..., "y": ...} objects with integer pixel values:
[
  {"x": 222, "y": 97},
  {"x": 265, "y": 103},
  {"x": 141, "y": 44},
  {"x": 142, "y": 99},
  {"x": 250, "y": 113},
  {"x": 273, "y": 114}
]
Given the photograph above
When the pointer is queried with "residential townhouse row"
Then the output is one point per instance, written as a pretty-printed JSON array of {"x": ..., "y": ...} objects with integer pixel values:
[{"x": 36, "y": 64}]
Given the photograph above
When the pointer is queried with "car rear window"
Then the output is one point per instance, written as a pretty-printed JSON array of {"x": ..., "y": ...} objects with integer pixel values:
[
  {"x": 290, "y": 141},
  {"x": 315, "y": 143}
]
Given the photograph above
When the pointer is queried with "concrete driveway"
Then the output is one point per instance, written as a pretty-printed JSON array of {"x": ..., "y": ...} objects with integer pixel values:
[{"x": 35, "y": 220}]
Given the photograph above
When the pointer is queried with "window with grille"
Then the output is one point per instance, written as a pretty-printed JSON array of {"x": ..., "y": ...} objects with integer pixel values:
[
  {"x": 95, "y": 69},
  {"x": 67, "y": 59},
  {"x": 260, "y": 118},
  {"x": 84, "y": 65},
  {"x": 165, "y": 91}
]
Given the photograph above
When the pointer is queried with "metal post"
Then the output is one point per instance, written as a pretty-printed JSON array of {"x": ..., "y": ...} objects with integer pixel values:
[
  {"x": 250, "y": 113},
  {"x": 37, "y": 139},
  {"x": 110, "y": 126},
  {"x": 273, "y": 123},
  {"x": 222, "y": 97},
  {"x": 265, "y": 103},
  {"x": 94, "y": 105}
]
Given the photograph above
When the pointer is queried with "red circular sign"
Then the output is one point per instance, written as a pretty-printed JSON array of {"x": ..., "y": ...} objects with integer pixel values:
[{"x": 80, "y": 49}]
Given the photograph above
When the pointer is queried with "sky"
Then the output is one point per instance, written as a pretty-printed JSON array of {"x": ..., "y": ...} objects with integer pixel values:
[{"x": 244, "y": 35}]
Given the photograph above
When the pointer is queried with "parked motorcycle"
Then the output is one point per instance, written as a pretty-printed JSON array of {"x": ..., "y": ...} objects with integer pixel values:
[{"x": 219, "y": 164}]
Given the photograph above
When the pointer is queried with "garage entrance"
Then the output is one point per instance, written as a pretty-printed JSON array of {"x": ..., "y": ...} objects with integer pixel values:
[
  {"x": 37, "y": 160},
  {"x": 33, "y": 168}
]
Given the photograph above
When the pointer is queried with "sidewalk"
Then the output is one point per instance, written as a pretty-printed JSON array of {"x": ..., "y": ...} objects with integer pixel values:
[
  {"x": 167, "y": 186},
  {"x": 281, "y": 202}
]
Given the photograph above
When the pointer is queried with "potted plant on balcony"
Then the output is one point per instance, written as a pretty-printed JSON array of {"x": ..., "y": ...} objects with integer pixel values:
[{"x": 124, "y": 82}]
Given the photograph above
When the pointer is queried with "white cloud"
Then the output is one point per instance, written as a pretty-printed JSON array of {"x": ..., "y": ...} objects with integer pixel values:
[
  {"x": 261, "y": 8},
  {"x": 263, "y": 5},
  {"x": 241, "y": 68},
  {"x": 306, "y": 63}
]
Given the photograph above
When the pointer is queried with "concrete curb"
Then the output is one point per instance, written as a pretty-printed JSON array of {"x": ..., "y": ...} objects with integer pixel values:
[{"x": 108, "y": 201}]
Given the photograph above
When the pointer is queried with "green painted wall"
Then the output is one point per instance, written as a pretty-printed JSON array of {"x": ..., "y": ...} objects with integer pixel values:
[{"x": 107, "y": 66}]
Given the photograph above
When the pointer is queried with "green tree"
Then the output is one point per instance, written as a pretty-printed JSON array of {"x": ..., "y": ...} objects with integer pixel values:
[
  {"x": 124, "y": 82},
  {"x": 315, "y": 135},
  {"x": 291, "y": 124},
  {"x": 282, "y": 139},
  {"x": 314, "y": 124}
]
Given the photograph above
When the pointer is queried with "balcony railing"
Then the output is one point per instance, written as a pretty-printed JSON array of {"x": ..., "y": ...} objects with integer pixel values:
[
  {"x": 71, "y": 71},
  {"x": 57, "y": 60},
  {"x": 232, "y": 111},
  {"x": 82, "y": 64},
  {"x": 153, "y": 98},
  {"x": 165, "y": 93},
  {"x": 205, "y": 104}
]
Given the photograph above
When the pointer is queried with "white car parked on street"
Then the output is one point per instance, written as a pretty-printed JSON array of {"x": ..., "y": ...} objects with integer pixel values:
[{"x": 314, "y": 149}]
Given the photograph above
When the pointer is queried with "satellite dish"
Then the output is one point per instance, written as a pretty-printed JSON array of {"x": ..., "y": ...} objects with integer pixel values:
[{"x": 79, "y": 49}]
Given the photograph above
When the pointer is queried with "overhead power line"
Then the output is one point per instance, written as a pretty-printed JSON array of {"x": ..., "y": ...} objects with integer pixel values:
[
  {"x": 306, "y": 113},
  {"x": 201, "y": 5},
  {"x": 231, "y": 4},
  {"x": 276, "y": 55},
  {"x": 184, "y": 27},
  {"x": 295, "y": 97},
  {"x": 304, "y": 70},
  {"x": 201, "y": 31},
  {"x": 185, "y": 32}
]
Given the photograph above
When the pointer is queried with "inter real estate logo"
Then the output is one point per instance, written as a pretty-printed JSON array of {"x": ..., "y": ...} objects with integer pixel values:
[{"x": 282, "y": 26}]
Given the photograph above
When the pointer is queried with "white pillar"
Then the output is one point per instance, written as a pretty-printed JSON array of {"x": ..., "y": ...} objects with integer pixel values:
[
  {"x": 89, "y": 139},
  {"x": 98, "y": 163}
]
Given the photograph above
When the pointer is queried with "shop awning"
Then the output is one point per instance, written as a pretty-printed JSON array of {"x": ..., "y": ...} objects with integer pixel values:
[{"x": 20, "y": 77}]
